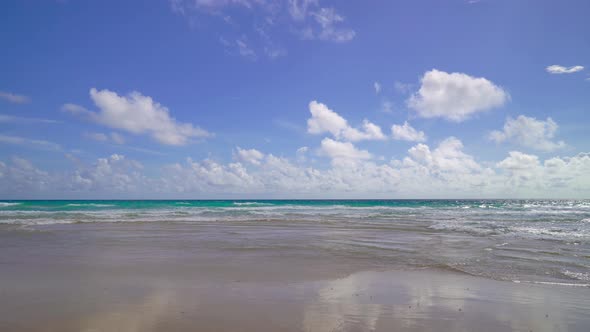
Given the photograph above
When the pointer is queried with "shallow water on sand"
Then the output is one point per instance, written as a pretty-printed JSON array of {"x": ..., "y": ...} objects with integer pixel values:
[
  {"x": 294, "y": 266},
  {"x": 538, "y": 241}
]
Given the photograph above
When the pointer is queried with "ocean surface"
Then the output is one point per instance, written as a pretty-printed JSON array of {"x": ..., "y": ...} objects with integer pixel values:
[{"x": 524, "y": 241}]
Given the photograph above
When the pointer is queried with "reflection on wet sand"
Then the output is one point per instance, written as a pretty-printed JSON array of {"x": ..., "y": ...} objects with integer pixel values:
[
  {"x": 137, "y": 317},
  {"x": 342, "y": 303},
  {"x": 424, "y": 300},
  {"x": 433, "y": 301}
]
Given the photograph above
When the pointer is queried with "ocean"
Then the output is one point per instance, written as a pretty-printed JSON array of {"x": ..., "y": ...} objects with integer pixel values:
[{"x": 522, "y": 241}]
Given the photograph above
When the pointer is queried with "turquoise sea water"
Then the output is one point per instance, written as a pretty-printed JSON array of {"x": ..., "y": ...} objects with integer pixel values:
[
  {"x": 68, "y": 205},
  {"x": 519, "y": 240}
]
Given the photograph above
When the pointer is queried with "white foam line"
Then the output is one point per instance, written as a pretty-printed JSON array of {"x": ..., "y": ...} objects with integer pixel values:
[
  {"x": 5, "y": 204},
  {"x": 551, "y": 283}
]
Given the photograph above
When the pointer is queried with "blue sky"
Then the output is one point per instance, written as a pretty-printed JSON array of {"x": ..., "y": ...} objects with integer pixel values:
[{"x": 307, "y": 98}]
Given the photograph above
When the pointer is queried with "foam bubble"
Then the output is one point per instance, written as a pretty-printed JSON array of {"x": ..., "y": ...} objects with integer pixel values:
[{"x": 577, "y": 275}]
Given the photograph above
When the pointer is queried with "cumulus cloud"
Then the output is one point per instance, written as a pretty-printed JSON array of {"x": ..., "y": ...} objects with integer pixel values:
[
  {"x": 522, "y": 170},
  {"x": 557, "y": 69},
  {"x": 113, "y": 174},
  {"x": 529, "y": 132},
  {"x": 525, "y": 175},
  {"x": 14, "y": 98},
  {"x": 251, "y": 156},
  {"x": 138, "y": 114},
  {"x": 447, "y": 157},
  {"x": 105, "y": 177},
  {"x": 445, "y": 170},
  {"x": 208, "y": 176},
  {"x": 342, "y": 150},
  {"x": 518, "y": 161},
  {"x": 20, "y": 176},
  {"x": 455, "y": 96},
  {"x": 301, "y": 154},
  {"x": 325, "y": 120},
  {"x": 406, "y": 132}
]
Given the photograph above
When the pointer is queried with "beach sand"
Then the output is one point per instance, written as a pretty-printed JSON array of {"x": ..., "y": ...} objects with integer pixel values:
[{"x": 137, "y": 277}]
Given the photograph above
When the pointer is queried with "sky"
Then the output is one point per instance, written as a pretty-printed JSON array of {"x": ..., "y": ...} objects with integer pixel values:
[{"x": 294, "y": 99}]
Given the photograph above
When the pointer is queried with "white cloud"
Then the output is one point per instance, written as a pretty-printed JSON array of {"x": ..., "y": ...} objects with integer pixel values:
[
  {"x": 517, "y": 161},
  {"x": 75, "y": 109},
  {"x": 101, "y": 137},
  {"x": 527, "y": 176},
  {"x": 107, "y": 176},
  {"x": 117, "y": 138},
  {"x": 529, "y": 132},
  {"x": 97, "y": 136},
  {"x": 448, "y": 157},
  {"x": 568, "y": 174},
  {"x": 318, "y": 22},
  {"x": 208, "y": 176},
  {"x": 557, "y": 69},
  {"x": 370, "y": 131},
  {"x": 342, "y": 150},
  {"x": 406, "y": 132},
  {"x": 324, "y": 120},
  {"x": 377, "y": 87},
  {"x": 138, "y": 114},
  {"x": 245, "y": 50},
  {"x": 455, "y": 96},
  {"x": 251, "y": 156},
  {"x": 261, "y": 21},
  {"x": 20, "y": 176},
  {"x": 28, "y": 142},
  {"x": 14, "y": 98},
  {"x": 443, "y": 171},
  {"x": 299, "y": 9},
  {"x": 274, "y": 52},
  {"x": 213, "y": 7},
  {"x": 301, "y": 154},
  {"x": 521, "y": 170},
  {"x": 116, "y": 174},
  {"x": 328, "y": 19},
  {"x": 17, "y": 119},
  {"x": 403, "y": 88}
]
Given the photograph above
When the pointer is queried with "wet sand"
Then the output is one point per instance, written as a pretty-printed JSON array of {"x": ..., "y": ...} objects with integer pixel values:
[{"x": 137, "y": 278}]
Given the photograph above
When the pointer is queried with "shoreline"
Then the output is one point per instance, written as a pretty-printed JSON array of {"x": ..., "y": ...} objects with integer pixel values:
[
  {"x": 176, "y": 277},
  {"x": 261, "y": 268}
]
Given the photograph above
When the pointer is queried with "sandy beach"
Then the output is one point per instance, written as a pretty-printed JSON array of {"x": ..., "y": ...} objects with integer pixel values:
[
  {"x": 294, "y": 165},
  {"x": 145, "y": 277}
]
